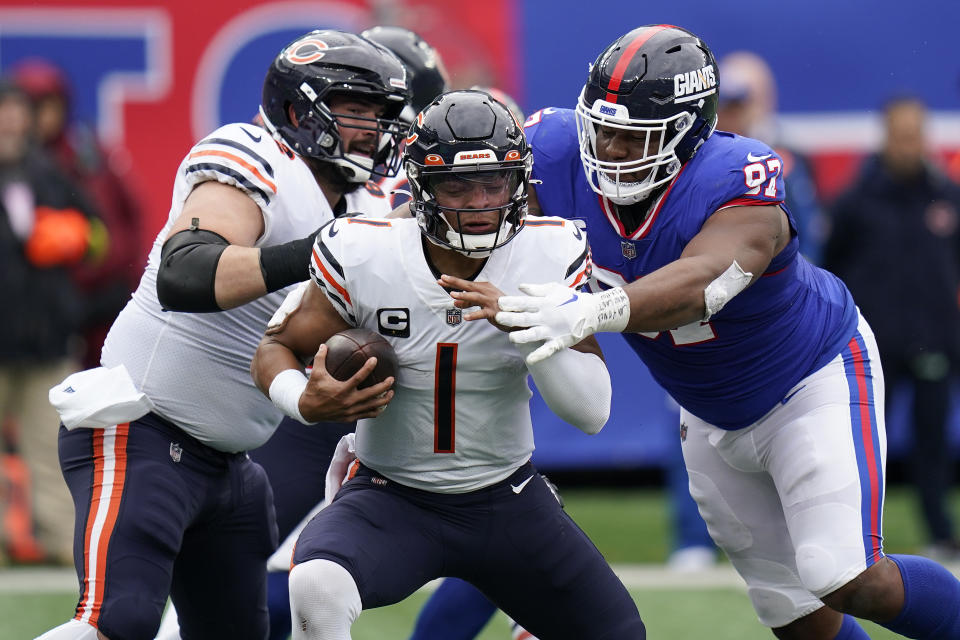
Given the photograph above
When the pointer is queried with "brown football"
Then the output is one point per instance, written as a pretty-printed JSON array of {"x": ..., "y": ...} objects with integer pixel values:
[{"x": 348, "y": 350}]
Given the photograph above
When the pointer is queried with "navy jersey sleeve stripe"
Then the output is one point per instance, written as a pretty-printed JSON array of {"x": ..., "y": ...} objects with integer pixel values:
[
  {"x": 336, "y": 299},
  {"x": 330, "y": 259},
  {"x": 227, "y": 171},
  {"x": 236, "y": 145},
  {"x": 577, "y": 264}
]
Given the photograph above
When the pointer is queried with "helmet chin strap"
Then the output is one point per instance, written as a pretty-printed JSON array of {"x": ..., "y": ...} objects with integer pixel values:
[
  {"x": 474, "y": 246},
  {"x": 359, "y": 170},
  {"x": 627, "y": 193},
  {"x": 624, "y": 193},
  {"x": 453, "y": 239},
  {"x": 479, "y": 245}
]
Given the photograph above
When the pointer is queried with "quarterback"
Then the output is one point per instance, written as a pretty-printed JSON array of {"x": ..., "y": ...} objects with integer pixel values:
[{"x": 444, "y": 471}]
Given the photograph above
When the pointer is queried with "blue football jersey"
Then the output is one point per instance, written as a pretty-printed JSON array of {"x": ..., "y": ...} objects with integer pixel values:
[{"x": 731, "y": 370}]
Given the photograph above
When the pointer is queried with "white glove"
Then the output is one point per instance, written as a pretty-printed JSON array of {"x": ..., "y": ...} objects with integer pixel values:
[{"x": 561, "y": 316}]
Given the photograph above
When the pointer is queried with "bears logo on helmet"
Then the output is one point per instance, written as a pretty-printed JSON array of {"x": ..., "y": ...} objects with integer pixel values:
[
  {"x": 305, "y": 51},
  {"x": 324, "y": 63}
]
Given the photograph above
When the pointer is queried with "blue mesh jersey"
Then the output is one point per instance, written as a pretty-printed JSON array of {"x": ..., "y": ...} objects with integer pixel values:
[{"x": 731, "y": 370}]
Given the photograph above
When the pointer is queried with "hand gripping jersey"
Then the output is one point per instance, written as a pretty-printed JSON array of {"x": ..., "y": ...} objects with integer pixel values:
[
  {"x": 460, "y": 419},
  {"x": 731, "y": 370},
  {"x": 195, "y": 367}
]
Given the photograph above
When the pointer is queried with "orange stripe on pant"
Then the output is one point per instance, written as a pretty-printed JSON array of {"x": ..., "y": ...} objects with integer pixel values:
[{"x": 109, "y": 476}]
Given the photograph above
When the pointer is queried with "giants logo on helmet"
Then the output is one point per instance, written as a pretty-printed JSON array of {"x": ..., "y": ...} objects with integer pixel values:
[
  {"x": 605, "y": 110},
  {"x": 694, "y": 84}
]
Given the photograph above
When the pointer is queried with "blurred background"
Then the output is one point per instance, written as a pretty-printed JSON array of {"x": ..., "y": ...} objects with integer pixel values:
[
  {"x": 137, "y": 83},
  {"x": 147, "y": 79},
  {"x": 151, "y": 78}
]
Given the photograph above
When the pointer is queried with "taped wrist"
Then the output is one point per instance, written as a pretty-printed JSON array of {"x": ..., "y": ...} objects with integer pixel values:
[
  {"x": 285, "y": 392},
  {"x": 287, "y": 263},
  {"x": 613, "y": 310},
  {"x": 188, "y": 270}
]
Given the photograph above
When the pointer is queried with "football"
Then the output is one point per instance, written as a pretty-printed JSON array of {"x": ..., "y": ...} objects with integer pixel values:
[{"x": 349, "y": 349}]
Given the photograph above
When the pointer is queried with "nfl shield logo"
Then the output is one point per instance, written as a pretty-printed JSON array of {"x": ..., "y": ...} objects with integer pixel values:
[
  {"x": 683, "y": 432},
  {"x": 629, "y": 251},
  {"x": 176, "y": 451},
  {"x": 454, "y": 316}
]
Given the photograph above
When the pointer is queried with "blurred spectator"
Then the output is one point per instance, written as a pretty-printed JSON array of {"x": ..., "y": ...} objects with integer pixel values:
[
  {"x": 748, "y": 106},
  {"x": 106, "y": 283},
  {"x": 895, "y": 241},
  {"x": 44, "y": 228}
]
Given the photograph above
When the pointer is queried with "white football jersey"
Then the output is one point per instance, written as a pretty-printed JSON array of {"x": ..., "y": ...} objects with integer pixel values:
[
  {"x": 460, "y": 419},
  {"x": 195, "y": 367}
]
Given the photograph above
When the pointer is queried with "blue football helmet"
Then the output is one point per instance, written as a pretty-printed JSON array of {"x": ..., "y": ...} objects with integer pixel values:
[{"x": 659, "y": 82}]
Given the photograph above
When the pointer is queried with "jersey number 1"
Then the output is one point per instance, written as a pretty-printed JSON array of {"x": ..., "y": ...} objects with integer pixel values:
[{"x": 444, "y": 395}]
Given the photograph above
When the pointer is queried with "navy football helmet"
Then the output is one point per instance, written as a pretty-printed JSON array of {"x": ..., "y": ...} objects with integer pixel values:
[
  {"x": 426, "y": 74},
  {"x": 658, "y": 82},
  {"x": 324, "y": 63},
  {"x": 467, "y": 136}
]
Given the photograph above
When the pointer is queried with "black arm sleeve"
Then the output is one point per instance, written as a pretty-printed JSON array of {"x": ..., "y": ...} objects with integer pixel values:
[
  {"x": 188, "y": 270},
  {"x": 287, "y": 263}
]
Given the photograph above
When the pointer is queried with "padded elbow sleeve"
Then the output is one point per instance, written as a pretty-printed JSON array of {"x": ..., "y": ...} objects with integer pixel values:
[{"x": 188, "y": 270}]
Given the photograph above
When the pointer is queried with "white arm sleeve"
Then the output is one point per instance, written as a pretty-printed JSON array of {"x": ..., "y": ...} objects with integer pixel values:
[{"x": 575, "y": 385}]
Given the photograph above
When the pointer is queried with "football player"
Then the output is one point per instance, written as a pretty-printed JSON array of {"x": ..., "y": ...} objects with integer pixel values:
[
  {"x": 444, "y": 471},
  {"x": 168, "y": 502},
  {"x": 776, "y": 371},
  {"x": 427, "y": 77},
  {"x": 456, "y": 610},
  {"x": 426, "y": 73}
]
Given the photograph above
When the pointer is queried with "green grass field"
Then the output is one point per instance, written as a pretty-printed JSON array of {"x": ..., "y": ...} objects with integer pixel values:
[{"x": 630, "y": 526}]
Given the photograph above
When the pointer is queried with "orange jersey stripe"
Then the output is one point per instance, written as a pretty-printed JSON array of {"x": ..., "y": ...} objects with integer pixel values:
[
  {"x": 249, "y": 167},
  {"x": 329, "y": 278},
  {"x": 580, "y": 276},
  {"x": 543, "y": 223}
]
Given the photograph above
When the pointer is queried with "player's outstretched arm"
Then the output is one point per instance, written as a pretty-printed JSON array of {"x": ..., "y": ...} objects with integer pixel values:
[
  {"x": 209, "y": 262},
  {"x": 718, "y": 263},
  {"x": 574, "y": 382},
  {"x": 295, "y": 337}
]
